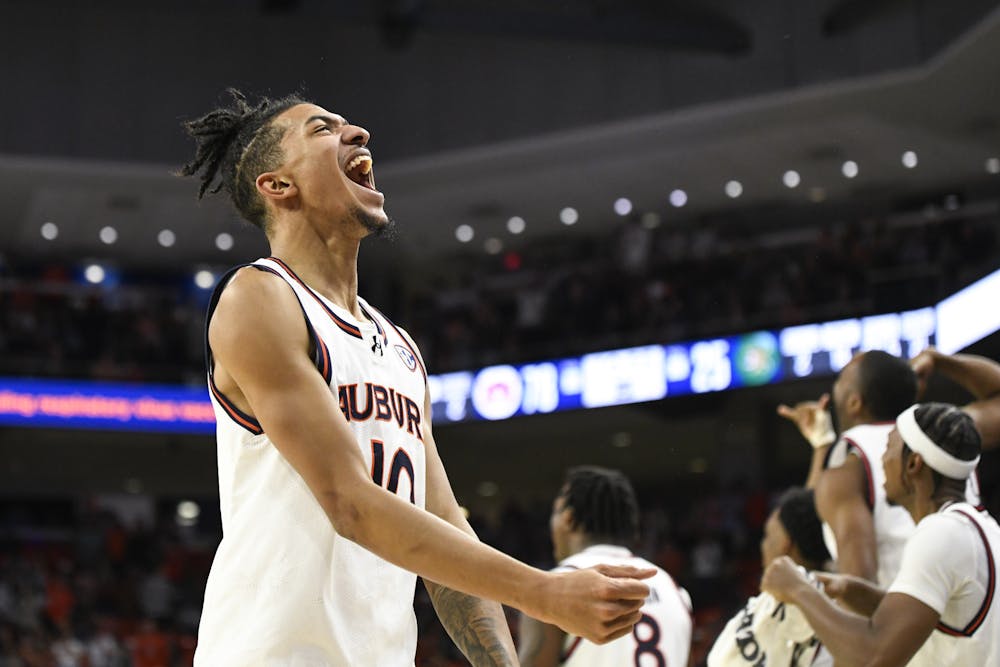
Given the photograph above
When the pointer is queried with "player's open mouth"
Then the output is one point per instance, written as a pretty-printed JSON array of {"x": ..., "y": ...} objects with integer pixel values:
[{"x": 360, "y": 171}]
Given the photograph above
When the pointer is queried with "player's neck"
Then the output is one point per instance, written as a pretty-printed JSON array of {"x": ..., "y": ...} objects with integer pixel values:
[{"x": 329, "y": 266}]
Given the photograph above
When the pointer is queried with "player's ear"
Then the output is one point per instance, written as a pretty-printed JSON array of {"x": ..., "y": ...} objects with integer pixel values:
[{"x": 274, "y": 186}]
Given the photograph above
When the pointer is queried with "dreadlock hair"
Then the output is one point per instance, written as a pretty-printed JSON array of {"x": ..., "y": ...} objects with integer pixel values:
[
  {"x": 953, "y": 431},
  {"x": 887, "y": 384},
  {"x": 235, "y": 144},
  {"x": 797, "y": 513},
  {"x": 603, "y": 504}
]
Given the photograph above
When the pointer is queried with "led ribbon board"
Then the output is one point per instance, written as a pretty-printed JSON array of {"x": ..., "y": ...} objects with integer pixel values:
[{"x": 613, "y": 377}]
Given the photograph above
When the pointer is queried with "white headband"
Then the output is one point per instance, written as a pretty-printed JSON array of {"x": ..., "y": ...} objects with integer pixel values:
[{"x": 936, "y": 458}]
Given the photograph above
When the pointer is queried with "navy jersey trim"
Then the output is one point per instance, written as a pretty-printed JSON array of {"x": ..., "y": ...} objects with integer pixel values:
[
  {"x": 984, "y": 609},
  {"x": 570, "y": 650},
  {"x": 343, "y": 324},
  {"x": 321, "y": 354}
]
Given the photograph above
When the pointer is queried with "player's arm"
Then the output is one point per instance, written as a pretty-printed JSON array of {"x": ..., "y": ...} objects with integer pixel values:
[
  {"x": 897, "y": 630},
  {"x": 260, "y": 341},
  {"x": 477, "y": 626},
  {"x": 841, "y": 503},
  {"x": 540, "y": 644},
  {"x": 977, "y": 375}
]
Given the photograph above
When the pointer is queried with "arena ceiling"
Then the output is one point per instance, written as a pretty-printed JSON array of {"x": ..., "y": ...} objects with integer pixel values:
[{"x": 935, "y": 95}]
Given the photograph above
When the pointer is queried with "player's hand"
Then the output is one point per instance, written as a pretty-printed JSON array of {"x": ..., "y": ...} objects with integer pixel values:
[
  {"x": 923, "y": 366},
  {"x": 813, "y": 420},
  {"x": 834, "y": 585},
  {"x": 600, "y": 604},
  {"x": 781, "y": 578}
]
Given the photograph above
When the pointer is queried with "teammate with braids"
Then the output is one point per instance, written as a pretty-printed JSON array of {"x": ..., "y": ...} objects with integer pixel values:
[
  {"x": 941, "y": 610},
  {"x": 332, "y": 493},
  {"x": 594, "y": 519}
]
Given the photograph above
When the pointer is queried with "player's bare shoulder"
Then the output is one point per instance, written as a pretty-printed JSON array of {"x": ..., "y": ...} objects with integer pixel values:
[{"x": 253, "y": 304}]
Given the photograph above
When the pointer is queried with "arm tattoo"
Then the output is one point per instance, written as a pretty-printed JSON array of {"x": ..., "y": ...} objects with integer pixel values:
[{"x": 478, "y": 627}]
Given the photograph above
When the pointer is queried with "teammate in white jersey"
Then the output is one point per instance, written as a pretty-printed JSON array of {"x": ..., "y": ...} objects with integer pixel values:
[
  {"x": 942, "y": 609},
  {"x": 332, "y": 491},
  {"x": 594, "y": 519},
  {"x": 864, "y": 533},
  {"x": 765, "y": 631}
]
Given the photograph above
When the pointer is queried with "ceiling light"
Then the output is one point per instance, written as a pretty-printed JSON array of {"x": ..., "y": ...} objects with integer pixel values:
[
  {"x": 224, "y": 241},
  {"x": 909, "y": 159},
  {"x": 108, "y": 235},
  {"x": 464, "y": 233},
  {"x": 734, "y": 189},
  {"x": 791, "y": 179},
  {"x": 849, "y": 169},
  {"x": 516, "y": 225},
  {"x": 569, "y": 216},
  {"x": 204, "y": 279},
  {"x": 678, "y": 198},
  {"x": 993, "y": 165},
  {"x": 166, "y": 238},
  {"x": 50, "y": 231},
  {"x": 623, "y": 206},
  {"x": 94, "y": 274},
  {"x": 493, "y": 246}
]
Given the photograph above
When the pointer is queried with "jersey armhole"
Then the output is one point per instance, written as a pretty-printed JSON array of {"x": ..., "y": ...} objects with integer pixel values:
[{"x": 318, "y": 351}]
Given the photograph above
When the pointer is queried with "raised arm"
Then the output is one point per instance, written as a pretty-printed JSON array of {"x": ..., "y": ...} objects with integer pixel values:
[
  {"x": 477, "y": 626},
  {"x": 816, "y": 425},
  {"x": 260, "y": 343},
  {"x": 979, "y": 376},
  {"x": 897, "y": 630},
  {"x": 841, "y": 503}
]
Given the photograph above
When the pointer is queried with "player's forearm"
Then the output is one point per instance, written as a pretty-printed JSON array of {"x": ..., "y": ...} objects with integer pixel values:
[
  {"x": 816, "y": 465},
  {"x": 477, "y": 626},
  {"x": 862, "y": 596},
  {"x": 978, "y": 375},
  {"x": 848, "y": 636},
  {"x": 420, "y": 542}
]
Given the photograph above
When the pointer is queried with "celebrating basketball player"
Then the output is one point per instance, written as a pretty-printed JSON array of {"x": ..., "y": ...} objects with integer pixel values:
[{"x": 333, "y": 496}]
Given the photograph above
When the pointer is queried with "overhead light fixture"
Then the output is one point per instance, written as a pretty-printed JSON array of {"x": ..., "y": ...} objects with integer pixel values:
[
  {"x": 791, "y": 179},
  {"x": 516, "y": 225},
  {"x": 94, "y": 274},
  {"x": 50, "y": 231},
  {"x": 849, "y": 169},
  {"x": 224, "y": 241},
  {"x": 166, "y": 238},
  {"x": 678, "y": 198},
  {"x": 734, "y": 189},
  {"x": 623, "y": 206},
  {"x": 108, "y": 235},
  {"x": 464, "y": 233},
  {"x": 569, "y": 216},
  {"x": 909, "y": 159}
]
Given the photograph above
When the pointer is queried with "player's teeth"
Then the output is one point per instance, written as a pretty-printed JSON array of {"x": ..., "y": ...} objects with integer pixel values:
[{"x": 366, "y": 167}]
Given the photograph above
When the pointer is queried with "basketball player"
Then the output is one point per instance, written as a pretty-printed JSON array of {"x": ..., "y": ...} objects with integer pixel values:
[
  {"x": 764, "y": 631},
  {"x": 977, "y": 375},
  {"x": 594, "y": 518},
  {"x": 332, "y": 491},
  {"x": 863, "y": 532},
  {"x": 941, "y": 610}
]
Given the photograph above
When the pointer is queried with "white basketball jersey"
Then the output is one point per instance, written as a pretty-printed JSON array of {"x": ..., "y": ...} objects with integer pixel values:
[
  {"x": 968, "y": 632},
  {"x": 893, "y": 524},
  {"x": 662, "y": 637},
  {"x": 285, "y": 590}
]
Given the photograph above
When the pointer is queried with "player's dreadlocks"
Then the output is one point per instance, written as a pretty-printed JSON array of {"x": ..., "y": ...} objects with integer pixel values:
[
  {"x": 603, "y": 504},
  {"x": 952, "y": 430},
  {"x": 235, "y": 145}
]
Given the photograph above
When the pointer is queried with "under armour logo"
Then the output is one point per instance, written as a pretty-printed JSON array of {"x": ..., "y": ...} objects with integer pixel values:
[{"x": 377, "y": 345}]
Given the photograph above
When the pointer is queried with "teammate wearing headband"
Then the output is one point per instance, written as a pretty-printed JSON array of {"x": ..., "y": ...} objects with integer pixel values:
[{"x": 942, "y": 609}]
